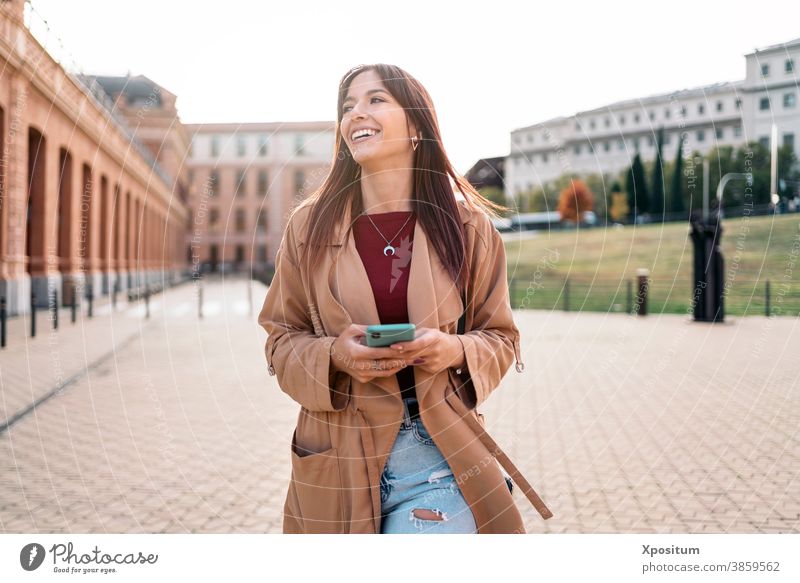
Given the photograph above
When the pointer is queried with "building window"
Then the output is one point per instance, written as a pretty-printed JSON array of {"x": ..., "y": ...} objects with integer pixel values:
[
  {"x": 544, "y": 157},
  {"x": 636, "y": 118},
  {"x": 606, "y": 146},
  {"x": 652, "y": 115},
  {"x": 577, "y": 126},
  {"x": 667, "y": 113},
  {"x": 737, "y": 131},
  {"x": 262, "y": 253},
  {"x": 299, "y": 179},
  {"x": 299, "y": 145},
  {"x": 620, "y": 144},
  {"x": 683, "y": 111},
  {"x": 650, "y": 141},
  {"x": 788, "y": 140},
  {"x": 214, "y": 146},
  {"x": 577, "y": 148},
  {"x": 241, "y": 146},
  {"x": 591, "y": 124},
  {"x": 607, "y": 122},
  {"x": 261, "y": 221},
  {"x": 764, "y": 70},
  {"x": 262, "y": 145},
  {"x": 738, "y": 103},
  {"x": 241, "y": 183},
  {"x": 263, "y": 182},
  {"x": 530, "y": 138},
  {"x": 719, "y": 106},
  {"x": 789, "y": 100},
  {"x": 719, "y": 133},
  {"x": 213, "y": 217},
  {"x": 636, "y": 144},
  {"x": 764, "y": 141},
  {"x": 213, "y": 183},
  {"x": 701, "y": 135},
  {"x": 701, "y": 109},
  {"x": 240, "y": 220},
  {"x": 667, "y": 138},
  {"x": 622, "y": 120},
  {"x": 763, "y": 103},
  {"x": 789, "y": 66}
]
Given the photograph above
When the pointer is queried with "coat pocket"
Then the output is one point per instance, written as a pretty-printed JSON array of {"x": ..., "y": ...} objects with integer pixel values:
[{"x": 317, "y": 484}]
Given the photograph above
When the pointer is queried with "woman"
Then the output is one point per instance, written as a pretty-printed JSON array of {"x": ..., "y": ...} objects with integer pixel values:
[{"x": 380, "y": 445}]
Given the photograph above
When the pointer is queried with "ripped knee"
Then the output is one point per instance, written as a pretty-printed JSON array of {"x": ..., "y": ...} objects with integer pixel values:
[{"x": 427, "y": 514}]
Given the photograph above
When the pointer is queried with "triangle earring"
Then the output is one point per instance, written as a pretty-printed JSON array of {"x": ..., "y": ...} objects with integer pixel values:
[{"x": 414, "y": 142}]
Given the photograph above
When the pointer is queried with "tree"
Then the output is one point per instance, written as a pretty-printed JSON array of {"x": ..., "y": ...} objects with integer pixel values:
[
  {"x": 657, "y": 204},
  {"x": 676, "y": 193},
  {"x": 637, "y": 188},
  {"x": 574, "y": 200}
]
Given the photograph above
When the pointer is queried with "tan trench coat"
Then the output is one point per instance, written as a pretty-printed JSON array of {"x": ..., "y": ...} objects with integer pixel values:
[{"x": 344, "y": 436}]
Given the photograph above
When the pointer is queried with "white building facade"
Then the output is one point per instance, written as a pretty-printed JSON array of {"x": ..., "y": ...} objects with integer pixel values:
[{"x": 605, "y": 140}]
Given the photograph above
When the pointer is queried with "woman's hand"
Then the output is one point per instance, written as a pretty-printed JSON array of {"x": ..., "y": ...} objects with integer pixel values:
[
  {"x": 435, "y": 349},
  {"x": 350, "y": 355}
]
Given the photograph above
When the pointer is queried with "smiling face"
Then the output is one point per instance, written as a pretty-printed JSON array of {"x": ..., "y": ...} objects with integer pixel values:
[{"x": 369, "y": 106}]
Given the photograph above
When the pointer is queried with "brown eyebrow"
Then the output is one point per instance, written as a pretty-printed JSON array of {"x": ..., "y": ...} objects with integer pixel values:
[{"x": 370, "y": 92}]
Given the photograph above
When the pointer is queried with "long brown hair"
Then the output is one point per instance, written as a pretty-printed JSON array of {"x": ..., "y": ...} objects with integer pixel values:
[{"x": 433, "y": 198}]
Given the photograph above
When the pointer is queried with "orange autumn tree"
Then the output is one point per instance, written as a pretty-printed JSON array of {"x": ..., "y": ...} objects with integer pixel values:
[{"x": 574, "y": 200}]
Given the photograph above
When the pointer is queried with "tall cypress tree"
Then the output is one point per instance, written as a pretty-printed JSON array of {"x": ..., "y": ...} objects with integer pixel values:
[
  {"x": 657, "y": 203},
  {"x": 637, "y": 188},
  {"x": 676, "y": 194}
]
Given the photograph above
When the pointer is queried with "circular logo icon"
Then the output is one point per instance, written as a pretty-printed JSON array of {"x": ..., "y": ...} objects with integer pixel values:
[{"x": 31, "y": 556}]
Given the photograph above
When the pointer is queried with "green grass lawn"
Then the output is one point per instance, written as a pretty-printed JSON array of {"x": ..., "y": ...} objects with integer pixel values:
[{"x": 592, "y": 269}]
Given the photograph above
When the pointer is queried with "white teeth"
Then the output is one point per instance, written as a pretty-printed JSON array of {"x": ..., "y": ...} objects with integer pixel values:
[{"x": 361, "y": 133}]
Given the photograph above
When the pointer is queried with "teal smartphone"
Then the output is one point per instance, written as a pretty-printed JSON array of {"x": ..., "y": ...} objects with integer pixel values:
[{"x": 387, "y": 334}]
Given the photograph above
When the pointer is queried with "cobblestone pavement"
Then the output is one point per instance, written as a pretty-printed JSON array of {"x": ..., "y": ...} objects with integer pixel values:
[{"x": 622, "y": 424}]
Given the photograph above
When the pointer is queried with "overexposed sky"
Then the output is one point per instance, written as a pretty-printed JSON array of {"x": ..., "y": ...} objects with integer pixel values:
[{"x": 490, "y": 66}]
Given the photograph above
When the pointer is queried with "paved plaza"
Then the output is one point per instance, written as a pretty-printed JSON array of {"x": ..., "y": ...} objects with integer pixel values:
[{"x": 172, "y": 425}]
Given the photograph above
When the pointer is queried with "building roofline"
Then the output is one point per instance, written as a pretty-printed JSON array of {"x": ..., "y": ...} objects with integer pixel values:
[
  {"x": 656, "y": 97},
  {"x": 258, "y": 126},
  {"x": 776, "y": 47}
]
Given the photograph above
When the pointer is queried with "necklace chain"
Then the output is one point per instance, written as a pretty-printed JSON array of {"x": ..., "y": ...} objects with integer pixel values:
[{"x": 389, "y": 246}]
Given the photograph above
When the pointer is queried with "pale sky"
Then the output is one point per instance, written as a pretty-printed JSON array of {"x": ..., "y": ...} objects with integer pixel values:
[{"x": 489, "y": 66}]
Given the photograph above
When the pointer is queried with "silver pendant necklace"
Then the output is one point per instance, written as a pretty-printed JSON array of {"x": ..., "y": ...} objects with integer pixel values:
[{"x": 389, "y": 249}]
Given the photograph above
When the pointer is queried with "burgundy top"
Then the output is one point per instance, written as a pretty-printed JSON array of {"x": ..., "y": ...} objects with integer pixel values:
[{"x": 388, "y": 274}]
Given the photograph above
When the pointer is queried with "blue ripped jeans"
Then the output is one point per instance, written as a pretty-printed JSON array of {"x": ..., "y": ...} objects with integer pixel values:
[{"x": 419, "y": 493}]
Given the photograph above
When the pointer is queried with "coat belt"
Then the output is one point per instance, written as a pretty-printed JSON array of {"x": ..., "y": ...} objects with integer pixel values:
[{"x": 498, "y": 453}]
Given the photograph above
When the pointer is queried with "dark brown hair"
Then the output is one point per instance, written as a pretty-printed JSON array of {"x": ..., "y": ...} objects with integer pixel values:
[{"x": 433, "y": 198}]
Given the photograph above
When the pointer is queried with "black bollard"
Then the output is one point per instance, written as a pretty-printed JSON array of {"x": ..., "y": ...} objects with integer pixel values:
[
  {"x": 709, "y": 301},
  {"x": 2, "y": 322},
  {"x": 55, "y": 309},
  {"x": 641, "y": 294},
  {"x": 766, "y": 299},
  {"x": 33, "y": 314},
  {"x": 90, "y": 298},
  {"x": 74, "y": 303}
]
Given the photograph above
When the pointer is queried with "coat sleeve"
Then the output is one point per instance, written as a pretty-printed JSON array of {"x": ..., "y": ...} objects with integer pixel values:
[
  {"x": 493, "y": 340},
  {"x": 300, "y": 359}
]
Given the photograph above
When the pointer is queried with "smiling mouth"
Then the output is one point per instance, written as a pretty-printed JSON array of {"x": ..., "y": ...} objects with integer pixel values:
[{"x": 365, "y": 138}]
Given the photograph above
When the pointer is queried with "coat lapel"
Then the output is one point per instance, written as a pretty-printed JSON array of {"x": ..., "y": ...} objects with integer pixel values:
[{"x": 346, "y": 297}]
